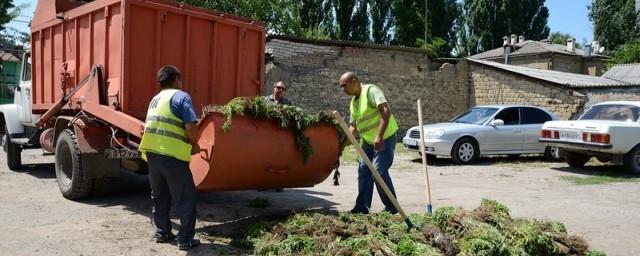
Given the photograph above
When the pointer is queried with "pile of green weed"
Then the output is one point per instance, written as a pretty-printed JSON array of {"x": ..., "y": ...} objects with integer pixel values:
[
  {"x": 285, "y": 116},
  {"x": 486, "y": 230}
]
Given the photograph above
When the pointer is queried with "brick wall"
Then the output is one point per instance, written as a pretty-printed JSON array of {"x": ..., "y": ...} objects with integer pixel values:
[
  {"x": 492, "y": 86},
  {"x": 597, "y": 95},
  {"x": 312, "y": 72}
]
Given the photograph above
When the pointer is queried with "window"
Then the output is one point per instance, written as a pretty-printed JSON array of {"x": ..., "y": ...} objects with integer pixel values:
[
  {"x": 26, "y": 67},
  {"x": 534, "y": 116},
  {"x": 625, "y": 113},
  {"x": 510, "y": 116},
  {"x": 475, "y": 116}
]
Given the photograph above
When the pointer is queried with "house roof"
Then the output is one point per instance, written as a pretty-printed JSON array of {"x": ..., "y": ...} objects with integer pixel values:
[
  {"x": 570, "y": 80},
  {"x": 530, "y": 47},
  {"x": 629, "y": 73},
  {"x": 8, "y": 56},
  {"x": 349, "y": 44}
]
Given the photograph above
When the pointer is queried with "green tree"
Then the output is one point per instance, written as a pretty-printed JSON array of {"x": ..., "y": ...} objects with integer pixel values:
[
  {"x": 6, "y": 15},
  {"x": 442, "y": 16},
  {"x": 279, "y": 16},
  {"x": 381, "y": 20},
  {"x": 561, "y": 38},
  {"x": 409, "y": 22},
  {"x": 628, "y": 53},
  {"x": 352, "y": 19},
  {"x": 487, "y": 21},
  {"x": 615, "y": 22}
]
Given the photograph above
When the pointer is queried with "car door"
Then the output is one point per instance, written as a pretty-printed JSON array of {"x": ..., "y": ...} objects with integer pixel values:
[
  {"x": 532, "y": 120},
  {"x": 507, "y": 137},
  {"x": 22, "y": 97}
]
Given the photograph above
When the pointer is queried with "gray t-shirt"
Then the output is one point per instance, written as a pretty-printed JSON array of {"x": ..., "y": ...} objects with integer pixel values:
[{"x": 283, "y": 101}]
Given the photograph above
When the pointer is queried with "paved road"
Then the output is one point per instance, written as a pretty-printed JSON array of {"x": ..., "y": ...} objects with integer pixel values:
[{"x": 36, "y": 220}]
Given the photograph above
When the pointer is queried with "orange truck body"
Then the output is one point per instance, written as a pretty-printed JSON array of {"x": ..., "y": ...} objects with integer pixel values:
[{"x": 221, "y": 56}]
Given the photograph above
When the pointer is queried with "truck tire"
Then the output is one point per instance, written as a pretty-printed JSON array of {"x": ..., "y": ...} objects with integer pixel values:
[
  {"x": 71, "y": 179},
  {"x": 465, "y": 151},
  {"x": 575, "y": 160},
  {"x": 631, "y": 160},
  {"x": 14, "y": 158}
]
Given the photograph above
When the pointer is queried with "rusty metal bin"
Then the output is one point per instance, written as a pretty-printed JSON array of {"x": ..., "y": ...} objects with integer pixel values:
[{"x": 257, "y": 154}]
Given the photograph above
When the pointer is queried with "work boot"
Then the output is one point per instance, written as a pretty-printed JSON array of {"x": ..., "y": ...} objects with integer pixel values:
[
  {"x": 164, "y": 238},
  {"x": 185, "y": 246}
]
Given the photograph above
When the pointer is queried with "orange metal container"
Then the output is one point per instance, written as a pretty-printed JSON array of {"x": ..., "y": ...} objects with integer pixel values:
[
  {"x": 257, "y": 154},
  {"x": 221, "y": 56}
]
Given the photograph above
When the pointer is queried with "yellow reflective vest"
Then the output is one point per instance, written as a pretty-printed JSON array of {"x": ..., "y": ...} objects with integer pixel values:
[
  {"x": 368, "y": 118},
  {"x": 164, "y": 133}
]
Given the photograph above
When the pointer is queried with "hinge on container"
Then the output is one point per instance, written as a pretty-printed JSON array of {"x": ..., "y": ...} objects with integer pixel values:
[{"x": 163, "y": 16}]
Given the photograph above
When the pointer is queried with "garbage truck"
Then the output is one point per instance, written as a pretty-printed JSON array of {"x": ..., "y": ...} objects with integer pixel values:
[{"x": 90, "y": 73}]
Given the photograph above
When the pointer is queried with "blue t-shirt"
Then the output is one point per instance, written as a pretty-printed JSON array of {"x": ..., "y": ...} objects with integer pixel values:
[{"x": 182, "y": 107}]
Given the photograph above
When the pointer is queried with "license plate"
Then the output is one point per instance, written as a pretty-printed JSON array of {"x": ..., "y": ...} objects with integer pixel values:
[
  {"x": 412, "y": 143},
  {"x": 121, "y": 154},
  {"x": 570, "y": 135}
]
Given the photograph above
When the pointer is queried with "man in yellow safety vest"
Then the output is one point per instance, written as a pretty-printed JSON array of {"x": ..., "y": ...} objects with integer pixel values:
[
  {"x": 371, "y": 117},
  {"x": 169, "y": 140}
]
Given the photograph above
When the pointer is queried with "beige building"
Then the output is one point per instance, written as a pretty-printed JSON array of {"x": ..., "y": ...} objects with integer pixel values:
[{"x": 546, "y": 55}]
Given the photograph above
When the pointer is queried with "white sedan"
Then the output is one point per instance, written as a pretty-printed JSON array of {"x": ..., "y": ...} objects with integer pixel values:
[
  {"x": 610, "y": 131},
  {"x": 485, "y": 130}
]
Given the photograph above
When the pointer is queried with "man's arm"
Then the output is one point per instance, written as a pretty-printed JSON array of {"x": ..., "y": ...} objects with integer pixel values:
[
  {"x": 385, "y": 115},
  {"x": 192, "y": 133}
]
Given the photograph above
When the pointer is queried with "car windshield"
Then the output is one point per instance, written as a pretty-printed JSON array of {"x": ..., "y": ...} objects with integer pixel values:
[
  {"x": 475, "y": 116},
  {"x": 625, "y": 113}
]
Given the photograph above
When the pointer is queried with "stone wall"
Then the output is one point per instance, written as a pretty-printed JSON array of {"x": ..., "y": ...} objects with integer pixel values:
[
  {"x": 312, "y": 70},
  {"x": 597, "y": 95},
  {"x": 493, "y": 86}
]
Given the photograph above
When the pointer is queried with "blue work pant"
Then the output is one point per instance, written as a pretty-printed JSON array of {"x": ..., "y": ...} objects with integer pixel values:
[
  {"x": 171, "y": 180},
  {"x": 382, "y": 160}
]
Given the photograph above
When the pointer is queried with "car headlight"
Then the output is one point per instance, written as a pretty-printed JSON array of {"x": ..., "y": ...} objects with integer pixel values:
[{"x": 434, "y": 134}]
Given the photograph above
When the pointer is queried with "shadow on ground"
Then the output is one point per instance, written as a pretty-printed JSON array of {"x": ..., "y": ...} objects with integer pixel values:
[
  {"x": 613, "y": 171},
  {"x": 486, "y": 161}
]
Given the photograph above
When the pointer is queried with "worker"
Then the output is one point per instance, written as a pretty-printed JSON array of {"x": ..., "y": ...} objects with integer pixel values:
[
  {"x": 277, "y": 95},
  {"x": 371, "y": 117},
  {"x": 169, "y": 140}
]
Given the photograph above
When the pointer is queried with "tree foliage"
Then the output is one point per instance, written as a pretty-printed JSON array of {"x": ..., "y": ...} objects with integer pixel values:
[
  {"x": 561, "y": 38},
  {"x": 628, "y": 53},
  {"x": 381, "y": 20},
  {"x": 487, "y": 21},
  {"x": 615, "y": 22}
]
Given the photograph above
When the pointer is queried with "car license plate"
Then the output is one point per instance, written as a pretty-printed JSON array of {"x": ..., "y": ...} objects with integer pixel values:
[
  {"x": 412, "y": 143},
  {"x": 570, "y": 135}
]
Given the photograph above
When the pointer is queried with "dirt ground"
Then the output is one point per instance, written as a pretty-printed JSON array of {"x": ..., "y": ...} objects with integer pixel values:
[{"x": 37, "y": 220}]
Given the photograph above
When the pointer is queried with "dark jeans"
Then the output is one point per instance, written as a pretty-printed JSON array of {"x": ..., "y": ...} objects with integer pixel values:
[
  {"x": 382, "y": 160},
  {"x": 171, "y": 179}
]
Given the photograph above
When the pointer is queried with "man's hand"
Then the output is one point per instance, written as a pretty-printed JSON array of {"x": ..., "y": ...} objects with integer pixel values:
[{"x": 378, "y": 143}]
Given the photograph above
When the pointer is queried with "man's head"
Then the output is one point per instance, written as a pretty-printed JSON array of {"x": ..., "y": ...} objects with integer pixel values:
[
  {"x": 350, "y": 84},
  {"x": 278, "y": 90},
  {"x": 169, "y": 77}
]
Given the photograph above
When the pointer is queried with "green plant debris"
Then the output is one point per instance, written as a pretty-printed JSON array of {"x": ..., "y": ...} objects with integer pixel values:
[
  {"x": 487, "y": 230},
  {"x": 597, "y": 179},
  {"x": 259, "y": 202},
  {"x": 285, "y": 116}
]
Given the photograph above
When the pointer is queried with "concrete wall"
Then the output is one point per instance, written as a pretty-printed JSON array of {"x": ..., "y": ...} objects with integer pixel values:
[
  {"x": 492, "y": 86},
  {"x": 559, "y": 62},
  {"x": 597, "y": 95},
  {"x": 312, "y": 72}
]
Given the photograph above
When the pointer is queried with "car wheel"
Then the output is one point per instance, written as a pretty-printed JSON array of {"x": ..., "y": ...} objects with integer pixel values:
[
  {"x": 575, "y": 159},
  {"x": 631, "y": 160},
  {"x": 465, "y": 151},
  {"x": 552, "y": 154}
]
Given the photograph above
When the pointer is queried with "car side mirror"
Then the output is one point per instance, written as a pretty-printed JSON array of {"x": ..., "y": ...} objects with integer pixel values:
[{"x": 497, "y": 122}]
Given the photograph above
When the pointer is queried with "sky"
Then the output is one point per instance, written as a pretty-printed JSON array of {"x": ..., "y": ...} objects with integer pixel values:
[{"x": 566, "y": 16}]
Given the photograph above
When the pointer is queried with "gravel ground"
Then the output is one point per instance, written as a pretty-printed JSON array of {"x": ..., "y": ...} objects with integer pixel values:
[{"x": 37, "y": 220}]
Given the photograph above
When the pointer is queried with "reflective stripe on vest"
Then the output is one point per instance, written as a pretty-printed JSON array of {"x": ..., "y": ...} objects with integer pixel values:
[
  {"x": 164, "y": 133},
  {"x": 369, "y": 117}
]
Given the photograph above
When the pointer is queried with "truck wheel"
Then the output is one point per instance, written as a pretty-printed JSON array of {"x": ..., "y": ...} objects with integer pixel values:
[
  {"x": 464, "y": 151},
  {"x": 14, "y": 159},
  {"x": 575, "y": 160},
  {"x": 631, "y": 160},
  {"x": 71, "y": 179}
]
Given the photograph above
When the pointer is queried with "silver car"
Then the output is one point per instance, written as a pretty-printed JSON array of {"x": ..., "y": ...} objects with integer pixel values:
[{"x": 485, "y": 130}]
